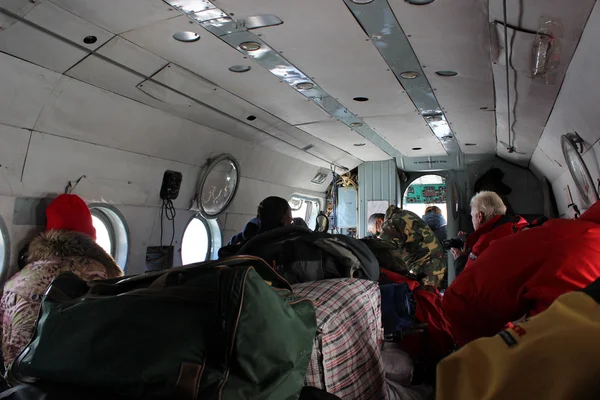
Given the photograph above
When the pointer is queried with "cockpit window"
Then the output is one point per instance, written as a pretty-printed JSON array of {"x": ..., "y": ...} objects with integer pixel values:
[{"x": 425, "y": 192}]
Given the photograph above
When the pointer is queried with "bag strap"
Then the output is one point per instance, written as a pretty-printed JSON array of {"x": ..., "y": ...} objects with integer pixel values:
[
  {"x": 188, "y": 383},
  {"x": 264, "y": 270}
]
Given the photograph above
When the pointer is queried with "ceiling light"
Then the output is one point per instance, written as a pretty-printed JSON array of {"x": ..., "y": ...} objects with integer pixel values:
[
  {"x": 470, "y": 144},
  {"x": 409, "y": 75},
  {"x": 240, "y": 68},
  {"x": 356, "y": 124},
  {"x": 359, "y": 144},
  {"x": 446, "y": 73},
  {"x": 251, "y": 118},
  {"x": 419, "y": 2},
  {"x": 361, "y": 99},
  {"x": 186, "y": 36},
  {"x": 250, "y": 46},
  {"x": 417, "y": 148},
  {"x": 362, "y": 1},
  {"x": 304, "y": 86}
]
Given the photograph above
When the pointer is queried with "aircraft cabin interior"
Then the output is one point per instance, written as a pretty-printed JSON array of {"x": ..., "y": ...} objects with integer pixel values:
[{"x": 174, "y": 119}]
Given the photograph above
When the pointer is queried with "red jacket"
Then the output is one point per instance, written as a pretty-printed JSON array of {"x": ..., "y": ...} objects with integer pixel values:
[
  {"x": 438, "y": 342},
  {"x": 523, "y": 274},
  {"x": 496, "y": 228}
]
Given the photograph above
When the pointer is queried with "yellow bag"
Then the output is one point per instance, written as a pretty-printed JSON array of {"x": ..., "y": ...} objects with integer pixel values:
[{"x": 553, "y": 356}]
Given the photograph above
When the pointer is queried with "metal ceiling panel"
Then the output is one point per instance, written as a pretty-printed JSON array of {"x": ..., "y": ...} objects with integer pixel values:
[
  {"x": 210, "y": 58},
  {"x": 475, "y": 131},
  {"x": 31, "y": 44},
  {"x": 19, "y": 7},
  {"x": 341, "y": 136},
  {"x": 531, "y": 100},
  {"x": 132, "y": 56},
  {"x": 400, "y": 131},
  {"x": 118, "y": 16},
  {"x": 24, "y": 90},
  {"x": 334, "y": 50},
  {"x": 12, "y": 153},
  {"x": 206, "y": 92},
  {"x": 456, "y": 39}
]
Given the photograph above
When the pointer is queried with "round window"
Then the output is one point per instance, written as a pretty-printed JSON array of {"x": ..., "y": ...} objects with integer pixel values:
[
  {"x": 218, "y": 185},
  {"x": 578, "y": 169},
  {"x": 196, "y": 242},
  {"x": 4, "y": 248},
  {"x": 111, "y": 232}
]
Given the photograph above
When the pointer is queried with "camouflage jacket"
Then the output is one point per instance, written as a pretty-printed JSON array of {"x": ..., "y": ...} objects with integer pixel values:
[
  {"x": 50, "y": 254},
  {"x": 420, "y": 251}
]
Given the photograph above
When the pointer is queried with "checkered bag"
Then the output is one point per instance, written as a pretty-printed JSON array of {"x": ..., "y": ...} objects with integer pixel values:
[{"x": 346, "y": 358}]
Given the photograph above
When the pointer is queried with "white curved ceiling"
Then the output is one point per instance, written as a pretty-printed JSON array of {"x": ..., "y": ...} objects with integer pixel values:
[{"x": 321, "y": 38}]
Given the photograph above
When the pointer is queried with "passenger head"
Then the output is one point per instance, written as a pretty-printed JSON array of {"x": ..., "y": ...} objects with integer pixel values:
[
  {"x": 274, "y": 212},
  {"x": 70, "y": 213},
  {"x": 433, "y": 209},
  {"x": 485, "y": 206},
  {"x": 375, "y": 222}
]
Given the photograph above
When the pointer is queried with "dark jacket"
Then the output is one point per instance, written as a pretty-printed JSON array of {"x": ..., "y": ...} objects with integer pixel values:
[
  {"x": 438, "y": 225},
  {"x": 523, "y": 274},
  {"x": 250, "y": 230}
]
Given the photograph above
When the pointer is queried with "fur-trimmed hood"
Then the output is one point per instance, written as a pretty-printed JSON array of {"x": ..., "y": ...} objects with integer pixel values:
[{"x": 62, "y": 243}]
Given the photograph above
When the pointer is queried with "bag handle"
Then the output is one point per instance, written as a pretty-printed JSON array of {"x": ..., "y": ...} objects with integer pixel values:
[{"x": 264, "y": 270}]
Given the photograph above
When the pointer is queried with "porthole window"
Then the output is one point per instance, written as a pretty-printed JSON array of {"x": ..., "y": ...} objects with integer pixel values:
[
  {"x": 305, "y": 208},
  {"x": 4, "y": 248},
  {"x": 199, "y": 241},
  {"x": 111, "y": 232},
  {"x": 104, "y": 232}
]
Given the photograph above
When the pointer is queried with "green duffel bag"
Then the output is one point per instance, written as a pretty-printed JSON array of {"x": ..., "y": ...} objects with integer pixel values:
[{"x": 214, "y": 330}]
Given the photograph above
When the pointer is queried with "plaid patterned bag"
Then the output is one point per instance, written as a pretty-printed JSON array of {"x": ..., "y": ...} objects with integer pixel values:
[{"x": 346, "y": 358}]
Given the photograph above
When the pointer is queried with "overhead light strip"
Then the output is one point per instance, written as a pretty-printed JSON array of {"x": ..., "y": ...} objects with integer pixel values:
[
  {"x": 379, "y": 22},
  {"x": 236, "y": 34}
]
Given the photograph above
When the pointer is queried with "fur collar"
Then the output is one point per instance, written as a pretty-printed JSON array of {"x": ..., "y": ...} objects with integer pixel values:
[{"x": 62, "y": 243}]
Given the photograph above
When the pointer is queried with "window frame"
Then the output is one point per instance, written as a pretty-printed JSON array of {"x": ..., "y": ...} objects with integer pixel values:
[
  {"x": 98, "y": 213},
  {"x": 117, "y": 229},
  {"x": 309, "y": 208},
  {"x": 4, "y": 261},
  {"x": 209, "y": 233}
]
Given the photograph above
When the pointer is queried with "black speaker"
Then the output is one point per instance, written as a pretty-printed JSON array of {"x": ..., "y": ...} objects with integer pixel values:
[{"x": 170, "y": 185}]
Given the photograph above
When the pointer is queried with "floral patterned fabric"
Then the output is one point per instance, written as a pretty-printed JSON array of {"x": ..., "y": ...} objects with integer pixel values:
[{"x": 22, "y": 294}]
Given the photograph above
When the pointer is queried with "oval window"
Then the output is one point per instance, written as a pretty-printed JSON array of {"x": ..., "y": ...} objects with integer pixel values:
[
  {"x": 218, "y": 185},
  {"x": 111, "y": 233},
  {"x": 196, "y": 242},
  {"x": 4, "y": 247}
]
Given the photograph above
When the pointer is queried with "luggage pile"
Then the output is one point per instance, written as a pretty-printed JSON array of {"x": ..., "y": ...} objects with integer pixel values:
[{"x": 191, "y": 332}]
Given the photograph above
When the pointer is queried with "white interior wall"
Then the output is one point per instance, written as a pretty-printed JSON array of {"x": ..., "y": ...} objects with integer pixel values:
[
  {"x": 575, "y": 110},
  {"x": 55, "y": 129}
]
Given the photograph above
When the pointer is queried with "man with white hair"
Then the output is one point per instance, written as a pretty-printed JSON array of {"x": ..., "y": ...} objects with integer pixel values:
[{"x": 490, "y": 223}]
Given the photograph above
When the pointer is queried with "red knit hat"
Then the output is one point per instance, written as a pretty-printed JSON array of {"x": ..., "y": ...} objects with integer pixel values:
[{"x": 69, "y": 212}]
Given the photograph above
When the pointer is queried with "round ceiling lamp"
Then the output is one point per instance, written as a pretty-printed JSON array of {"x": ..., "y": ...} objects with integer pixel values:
[
  {"x": 356, "y": 124},
  {"x": 409, "y": 75},
  {"x": 240, "y": 68},
  {"x": 420, "y": 2},
  {"x": 446, "y": 73},
  {"x": 304, "y": 86},
  {"x": 250, "y": 46},
  {"x": 186, "y": 36},
  {"x": 362, "y": 1}
]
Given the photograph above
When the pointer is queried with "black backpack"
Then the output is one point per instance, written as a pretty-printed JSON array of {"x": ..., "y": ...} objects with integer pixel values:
[{"x": 301, "y": 255}]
